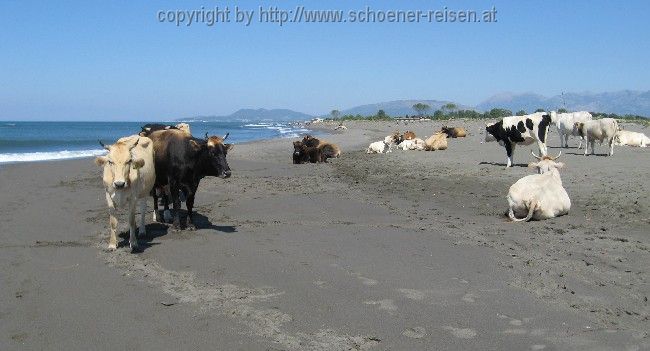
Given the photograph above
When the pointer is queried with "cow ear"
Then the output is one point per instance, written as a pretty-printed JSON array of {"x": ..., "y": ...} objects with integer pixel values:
[
  {"x": 533, "y": 165},
  {"x": 101, "y": 160},
  {"x": 137, "y": 163},
  {"x": 229, "y": 146}
]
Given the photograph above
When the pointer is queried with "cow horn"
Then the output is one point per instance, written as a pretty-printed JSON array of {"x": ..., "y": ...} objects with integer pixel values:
[
  {"x": 226, "y": 136},
  {"x": 206, "y": 136},
  {"x": 537, "y": 157},
  {"x": 104, "y": 146},
  {"x": 556, "y": 157}
]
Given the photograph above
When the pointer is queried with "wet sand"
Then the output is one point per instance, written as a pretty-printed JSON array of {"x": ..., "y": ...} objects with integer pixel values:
[{"x": 404, "y": 251}]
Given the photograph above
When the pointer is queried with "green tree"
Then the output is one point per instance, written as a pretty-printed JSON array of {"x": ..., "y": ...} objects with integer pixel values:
[
  {"x": 421, "y": 108},
  {"x": 335, "y": 114},
  {"x": 521, "y": 113},
  {"x": 382, "y": 114},
  {"x": 562, "y": 110},
  {"x": 449, "y": 107},
  {"x": 499, "y": 113},
  {"x": 540, "y": 110}
]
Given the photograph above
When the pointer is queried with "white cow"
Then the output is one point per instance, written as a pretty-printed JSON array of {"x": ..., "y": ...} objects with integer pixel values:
[
  {"x": 599, "y": 129},
  {"x": 539, "y": 196},
  {"x": 565, "y": 123},
  {"x": 625, "y": 137},
  {"x": 128, "y": 177},
  {"x": 412, "y": 144},
  {"x": 379, "y": 147}
]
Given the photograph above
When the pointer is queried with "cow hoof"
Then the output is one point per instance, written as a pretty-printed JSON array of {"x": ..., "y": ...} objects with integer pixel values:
[
  {"x": 167, "y": 216},
  {"x": 191, "y": 227},
  {"x": 112, "y": 247},
  {"x": 135, "y": 248},
  {"x": 175, "y": 228}
]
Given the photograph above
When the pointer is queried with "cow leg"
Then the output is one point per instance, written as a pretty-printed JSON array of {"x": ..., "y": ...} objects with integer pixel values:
[
  {"x": 566, "y": 141},
  {"x": 112, "y": 224},
  {"x": 611, "y": 146},
  {"x": 176, "y": 204},
  {"x": 580, "y": 145},
  {"x": 510, "y": 150},
  {"x": 167, "y": 215},
  {"x": 190, "y": 207},
  {"x": 156, "y": 215},
  {"x": 133, "y": 236},
  {"x": 143, "y": 211},
  {"x": 542, "y": 148}
]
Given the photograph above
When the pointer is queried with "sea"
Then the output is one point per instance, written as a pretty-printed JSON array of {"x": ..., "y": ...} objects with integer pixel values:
[{"x": 45, "y": 141}]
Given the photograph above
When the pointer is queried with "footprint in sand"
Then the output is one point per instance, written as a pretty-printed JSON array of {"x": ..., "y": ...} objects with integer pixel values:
[
  {"x": 471, "y": 298},
  {"x": 415, "y": 333},
  {"x": 320, "y": 283},
  {"x": 413, "y": 294},
  {"x": 461, "y": 333},
  {"x": 386, "y": 305},
  {"x": 364, "y": 280}
]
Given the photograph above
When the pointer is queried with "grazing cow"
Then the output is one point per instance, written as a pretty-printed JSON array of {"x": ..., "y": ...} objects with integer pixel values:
[
  {"x": 303, "y": 153},
  {"x": 565, "y": 123},
  {"x": 412, "y": 144},
  {"x": 380, "y": 147},
  {"x": 128, "y": 177},
  {"x": 539, "y": 196},
  {"x": 600, "y": 129},
  {"x": 182, "y": 161},
  {"x": 625, "y": 137},
  {"x": 408, "y": 135},
  {"x": 523, "y": 130},
  {"x": 435, "y": 142},
  {"x": 454, "y": 132}
]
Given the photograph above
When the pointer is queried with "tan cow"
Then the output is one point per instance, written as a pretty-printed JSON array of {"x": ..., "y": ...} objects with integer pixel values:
[
  {"x": 435, "y": 142},
  {"x": 454, "y": 132},
  {"x": 128, "y": 177}
]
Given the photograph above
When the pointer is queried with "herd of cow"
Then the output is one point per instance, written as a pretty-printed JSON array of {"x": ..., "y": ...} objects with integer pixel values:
[
  {"x": 160, "y": 161},
  {"x": 409, "y": 141},
  {"x": 167, "y": 163}
]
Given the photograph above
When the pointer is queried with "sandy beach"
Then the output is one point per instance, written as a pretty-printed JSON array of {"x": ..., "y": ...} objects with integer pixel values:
[{"x": 402, "y": 251}]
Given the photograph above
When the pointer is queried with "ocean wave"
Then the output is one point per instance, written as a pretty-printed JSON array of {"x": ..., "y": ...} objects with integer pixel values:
[{"x": 48, "y": 156}]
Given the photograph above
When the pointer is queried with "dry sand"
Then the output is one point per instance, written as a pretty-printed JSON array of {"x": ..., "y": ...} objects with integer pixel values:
[{"x": 403, "y": 251}]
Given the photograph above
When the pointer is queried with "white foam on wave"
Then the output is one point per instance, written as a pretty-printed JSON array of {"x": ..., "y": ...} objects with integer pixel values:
[{"x": 48, "y": 156}]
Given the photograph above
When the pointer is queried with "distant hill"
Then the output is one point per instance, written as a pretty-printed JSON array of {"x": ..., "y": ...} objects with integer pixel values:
[
  {"x": 620, "y": 102},
  {"x": 260, "y": 114},
  {"x": 395, "y": 108}
]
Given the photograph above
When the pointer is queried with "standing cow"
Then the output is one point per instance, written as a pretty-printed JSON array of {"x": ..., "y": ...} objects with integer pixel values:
[
  {"x": 565, "y": 123},
  {"x": 523, "y": 130},
  {"x": 182, "y": 161},
  {"x": 128, "y": 178},
  {"x": 600, "y": 129}
]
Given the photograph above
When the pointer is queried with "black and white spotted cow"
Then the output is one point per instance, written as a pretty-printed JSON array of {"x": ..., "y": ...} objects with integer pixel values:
[{"x": 522, "y": 130}]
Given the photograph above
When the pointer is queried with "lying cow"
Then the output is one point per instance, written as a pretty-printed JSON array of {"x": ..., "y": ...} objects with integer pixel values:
[
  {"x": 565, "y": 123},
  {"x": 520, "y": 130},
  {"x": 408, "y": 135},
  {"x": 600, "y": 129},
  {"x": 539, "y": 196},
  {"x": 304, "y": 154},
  {"x": 380, "y": 147},
  {"x": 395, "y": 138},
  {"x": 625, "y": 137},
  {"x": 128, "y": 178},
  {"x": 454, "y": 132},
  {"x": 412, "y": 144},
  {"x": 437, "y": 141},
  {"x": 182, "y": 161},
  {"x": 328, "y": 150}
]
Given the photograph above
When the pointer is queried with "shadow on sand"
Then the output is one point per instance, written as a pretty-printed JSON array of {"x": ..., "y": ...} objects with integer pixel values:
[{"x": 524, "y": 165}]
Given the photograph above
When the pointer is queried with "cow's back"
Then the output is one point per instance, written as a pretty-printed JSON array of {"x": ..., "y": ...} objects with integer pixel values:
[{"x": 601, "y": 129}]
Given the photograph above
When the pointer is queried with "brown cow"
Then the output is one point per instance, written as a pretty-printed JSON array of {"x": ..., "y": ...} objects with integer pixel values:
[
  {"x": 454, "y": 132},
  {"x": 303, "y": 153},
  {"x": 409, "y": 135}
]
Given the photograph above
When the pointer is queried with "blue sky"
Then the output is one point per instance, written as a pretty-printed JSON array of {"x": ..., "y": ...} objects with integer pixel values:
[{"x": 113, "y": 60}]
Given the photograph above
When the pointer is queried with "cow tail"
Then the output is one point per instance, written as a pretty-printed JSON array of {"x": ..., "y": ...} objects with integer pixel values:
[{"x": 531, "y": 210}]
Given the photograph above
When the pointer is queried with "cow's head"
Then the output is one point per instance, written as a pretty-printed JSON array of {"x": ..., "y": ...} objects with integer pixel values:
[
  {"x": 309, "y": 140},
  {"x": 546, "y": 163},
  {"x": 118, "y": 163},
  {"x": 489, "y": 132},
  {"x": 578, "y": 128},
  {"x": 298, "y": 146},
  {"x": 217, "y": 151}
]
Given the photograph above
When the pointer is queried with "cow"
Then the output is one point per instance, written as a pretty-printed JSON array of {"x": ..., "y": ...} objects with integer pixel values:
[
  {"x": 380, "y": 147},
  {"x": 599, "y": 129},
  {"x": 310, "y": 141},
  {"x": 182, "y": 161},
  {"x": 303, "y": 153},
  {"x": 454, "y": 132},
  {"x": 522, "y": 130},
  {"x": 625, "y": 137},
  {"x": 539, "y": 196},
  {"x": 128, "y": 178},
  {"x": 437, "y": 141},
  {"x": 152, "y": 127},
  {"x": 408, "y": 135},
  {"x": 565, "y": 123},
  {"x": 412, "y": 144},
  {"x": 395, "y": 138},
  {"x": 328, "y": 150}
]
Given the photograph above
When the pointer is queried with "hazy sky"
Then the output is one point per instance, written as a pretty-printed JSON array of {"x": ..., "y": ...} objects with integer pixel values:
[{"x": 113, "y": 60}]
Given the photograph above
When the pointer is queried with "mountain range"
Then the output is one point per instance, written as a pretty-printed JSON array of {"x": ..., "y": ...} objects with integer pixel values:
[{"x": 620, "y": 102}]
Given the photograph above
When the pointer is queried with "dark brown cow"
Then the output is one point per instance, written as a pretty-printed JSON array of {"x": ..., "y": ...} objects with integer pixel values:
[{"x": 303, "y": 153}]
